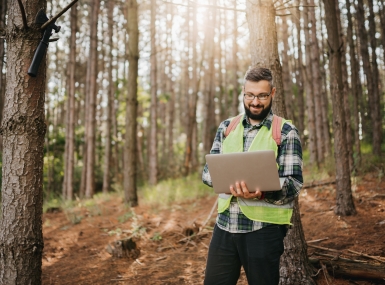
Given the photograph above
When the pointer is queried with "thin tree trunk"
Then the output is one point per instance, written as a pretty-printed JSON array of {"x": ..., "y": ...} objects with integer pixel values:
[
  {"x": 130, "y": 165},
  {"x": 364, "y": 50},
  {"x": 209, "y": 121},
  {"x": 299, "y": 78},
  {"x": 381, "y": 14},
  {"x": 170, "y": 108},
  {"x": 286, "y": 70},
  {"x": 356, "y": 87},
  {"x": 345, "y": 205},
  {"x": 23, "y": 129},
  {"x": 317, "y": 84},
  {"x": 346, "y": 93},
  {"x": 3, "y": 10},
  {"x": 376, "y": 107},
  {"x": 193, "y": 99},
  {"x": 235, "y": 102},
  {"x": 91, "y": 112},
  {"x": 309, "y": 90},
  {"x": 70, "y": 130},
  {"x": 324, "y": 95},
  {"x": 153, "y": 152},
  {"x": 110, "y": 104},
  {"x": 295, "y": 268}
]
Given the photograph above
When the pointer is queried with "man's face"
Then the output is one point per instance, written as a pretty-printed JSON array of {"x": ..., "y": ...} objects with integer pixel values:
[{"x": 257, "y": 109}]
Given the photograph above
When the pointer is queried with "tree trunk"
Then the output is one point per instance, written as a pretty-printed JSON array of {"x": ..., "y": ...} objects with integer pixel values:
[
  {"x": 70, "y": 129},
  {"x": 286, "y": 70},
  {"x": 309, "y": 91},
  {"x": 193, "y": 99},
  {"x": 91, "y": 106},
  {"x": 209, "y": 127},
  {"x": 324, "y": 94},
  {"x": 153, "y": 151},
  {"x": 356, "y": 87},
  {"x": 235, "y": 102},
  {"x": 299, "y": 78},
  {"x": 381, "y": 14},
  {"x": 317, "y": 84},
  {"x": 130, "y": 165},
  {"x": 110, "y": 104},
  {"x": 346, "y": 93},
  {"x": 376, "y": 106},
  {"x": 23, "y": 129},
  {"x": 364, "y": 50},
  {"x": 263, "y": 38},
  {"x": 3, "y": 10},
  {"x": 345, "y": 205}
]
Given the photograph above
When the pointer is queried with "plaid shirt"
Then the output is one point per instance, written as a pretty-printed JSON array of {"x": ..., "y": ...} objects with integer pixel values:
[{"x": 289, "y": 160}]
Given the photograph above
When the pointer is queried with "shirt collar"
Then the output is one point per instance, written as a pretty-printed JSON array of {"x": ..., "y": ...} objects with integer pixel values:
[{"x": 267, "y": 122}]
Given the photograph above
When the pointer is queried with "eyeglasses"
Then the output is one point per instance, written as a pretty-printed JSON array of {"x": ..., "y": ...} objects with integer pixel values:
[{"x": 260, "y": 97}]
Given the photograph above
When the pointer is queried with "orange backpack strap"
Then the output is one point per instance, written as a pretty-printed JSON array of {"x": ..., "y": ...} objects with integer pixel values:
[
  {"x": 233, "y": 124},
  {"x": 277, "y": 122}
]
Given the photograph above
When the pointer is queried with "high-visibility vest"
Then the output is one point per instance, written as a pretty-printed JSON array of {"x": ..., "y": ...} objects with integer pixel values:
[{"x": 256, "y": 210}]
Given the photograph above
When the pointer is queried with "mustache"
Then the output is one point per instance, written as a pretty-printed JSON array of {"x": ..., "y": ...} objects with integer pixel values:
[{"x": 256, "y": 106}]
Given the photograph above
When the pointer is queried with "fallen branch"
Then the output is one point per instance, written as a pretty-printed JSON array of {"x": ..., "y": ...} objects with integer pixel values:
[
  {"x": 351, "y": 268},
  {"x": 316, "y": 184},
  {"x": 325, "y": 248},
  {"x": 367, "y": 256},
  {"x": 325, "y": 271},
  {"x": 209, "y": 216},
  {"x": 317, "y": 240},
  {"x": 161, "y": 258}
]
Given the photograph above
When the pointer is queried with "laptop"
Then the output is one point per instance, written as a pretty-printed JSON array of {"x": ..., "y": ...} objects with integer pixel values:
[{"x": 258, "y": 169}]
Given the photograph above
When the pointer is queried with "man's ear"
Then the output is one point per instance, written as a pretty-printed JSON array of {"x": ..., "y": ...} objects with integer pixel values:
[{"x": 273, "y": 92}]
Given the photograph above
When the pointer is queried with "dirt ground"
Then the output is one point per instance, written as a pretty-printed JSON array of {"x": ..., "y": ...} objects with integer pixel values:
[{"x": 75, "y": 243}]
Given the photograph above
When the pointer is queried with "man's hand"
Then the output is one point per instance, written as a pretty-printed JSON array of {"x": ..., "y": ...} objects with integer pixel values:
[{"x": 241, "y": 190}]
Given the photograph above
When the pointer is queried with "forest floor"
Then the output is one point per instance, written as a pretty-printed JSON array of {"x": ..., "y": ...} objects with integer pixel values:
[{"x": 76, "y": 241}]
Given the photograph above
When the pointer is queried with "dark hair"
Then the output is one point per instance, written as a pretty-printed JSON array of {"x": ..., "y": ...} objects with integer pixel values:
[{"x": 256, "y": 74}]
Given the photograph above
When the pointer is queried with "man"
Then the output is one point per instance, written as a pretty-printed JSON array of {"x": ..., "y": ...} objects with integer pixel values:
[{"x": 241, "y": 239}]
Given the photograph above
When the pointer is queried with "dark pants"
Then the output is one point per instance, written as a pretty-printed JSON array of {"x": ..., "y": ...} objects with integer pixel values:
[{"x": 258, "y": 252}]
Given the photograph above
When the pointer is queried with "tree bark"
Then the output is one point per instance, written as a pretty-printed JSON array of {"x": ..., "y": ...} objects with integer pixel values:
[
  {"x": 295, "y": 268},
  {"x": 153, "y": 152},
  {"x": 70, "y": 128},
  {"x": 307, "y": 72},
  {"x": 344, "y": 199},
  {"x": 235, "y": 102},
  {"x": 299, "y": 77},
  {"x": 346, "y": 93},
  {"x": 376, "y": 107},
  {"x": 193, "y": 98},
  {"x": 23, "y": 129},
  {"x": 317, "y": 84},
  {"x": 356, "y": 87},
  {"x": 209, "y": 120},
  {"x": 91, "y": 106},
  {"x": 3, "y": 11},
  {"x": 130, "y": 165},
  {"x": 364, "y": 50},
  {"x": 110, "y": 104}
]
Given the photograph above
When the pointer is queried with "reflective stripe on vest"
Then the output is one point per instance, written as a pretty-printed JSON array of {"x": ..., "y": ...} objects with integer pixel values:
[{"x": 256, "y": 210}]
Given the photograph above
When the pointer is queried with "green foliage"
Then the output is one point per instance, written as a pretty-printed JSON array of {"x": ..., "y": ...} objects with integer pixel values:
[
  {"x": 125, "y": 217},
  {"x": 156, "y": 237},
  {"x": 172, "y": 191}
]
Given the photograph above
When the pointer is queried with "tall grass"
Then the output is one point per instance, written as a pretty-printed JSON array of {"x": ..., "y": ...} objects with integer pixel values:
[{"x": 171, "y": 191}]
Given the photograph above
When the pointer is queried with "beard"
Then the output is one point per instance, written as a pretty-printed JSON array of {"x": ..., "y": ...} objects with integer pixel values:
[{"x": 259, "y": 117}]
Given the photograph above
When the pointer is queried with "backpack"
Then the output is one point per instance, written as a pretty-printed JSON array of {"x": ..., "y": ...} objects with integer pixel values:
[{"x": 277, "y": 121}]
